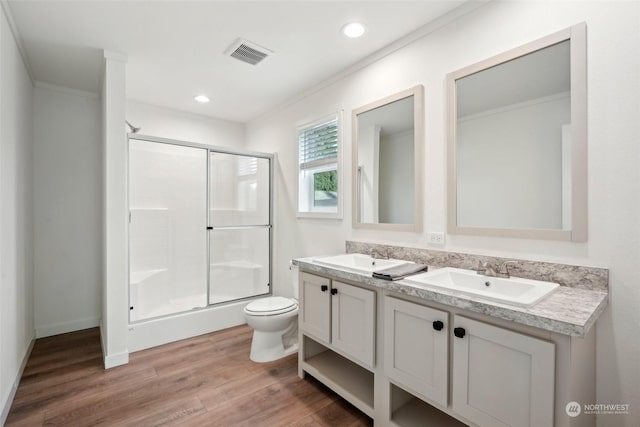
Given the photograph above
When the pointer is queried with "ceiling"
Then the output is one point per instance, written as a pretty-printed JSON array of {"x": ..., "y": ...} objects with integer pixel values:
[{"x": 175, "y": 48}]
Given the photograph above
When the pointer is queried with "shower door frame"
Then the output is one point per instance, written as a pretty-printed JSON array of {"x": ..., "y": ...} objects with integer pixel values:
[{"x": 209, "y": 228}]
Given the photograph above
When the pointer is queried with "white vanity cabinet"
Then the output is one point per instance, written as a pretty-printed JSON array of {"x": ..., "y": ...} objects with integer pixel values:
[
  {"x": 406, "y": 361},
  {"x": 416, "y": 354},
  {"x": 501, "y": 378},
  {"x": 339, "y": 314},
  {"x": 337, "y": 324}
]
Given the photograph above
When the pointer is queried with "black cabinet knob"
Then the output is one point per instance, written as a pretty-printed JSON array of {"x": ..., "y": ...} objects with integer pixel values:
[
  {"x": 334, "y": 291},
  {"x": 438, "y": 325},
  {"x": 459, "y": 332},
  {"x": 324, "y": 288}
]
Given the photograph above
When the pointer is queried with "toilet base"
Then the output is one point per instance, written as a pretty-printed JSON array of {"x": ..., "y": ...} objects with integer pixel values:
[{"x": 270, "y": 346}]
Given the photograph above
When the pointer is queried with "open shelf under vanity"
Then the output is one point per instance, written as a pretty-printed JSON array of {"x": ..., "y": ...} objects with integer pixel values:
[
  {"x": 346, "y": 378},
  {"x": 410, "y": 411}
]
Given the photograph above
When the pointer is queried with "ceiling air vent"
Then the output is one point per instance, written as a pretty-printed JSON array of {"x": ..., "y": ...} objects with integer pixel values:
[{"x": 246, "y": 51}]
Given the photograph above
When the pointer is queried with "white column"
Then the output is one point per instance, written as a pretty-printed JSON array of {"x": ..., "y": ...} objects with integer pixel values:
[{"x": 115, "y": 256}]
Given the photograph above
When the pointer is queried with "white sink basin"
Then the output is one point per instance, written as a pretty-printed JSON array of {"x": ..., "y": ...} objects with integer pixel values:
[
  {"x": 514, "y": 290},
  {"x": 358, "y": 263}
]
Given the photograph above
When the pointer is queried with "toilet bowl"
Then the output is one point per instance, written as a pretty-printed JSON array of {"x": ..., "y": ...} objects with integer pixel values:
[{"x": 275, "y": 327}]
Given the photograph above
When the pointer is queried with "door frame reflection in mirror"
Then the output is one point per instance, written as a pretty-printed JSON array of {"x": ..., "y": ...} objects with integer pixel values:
[
  {"x": 418, "y": 158},
  {"x": 578, "y": 63}
]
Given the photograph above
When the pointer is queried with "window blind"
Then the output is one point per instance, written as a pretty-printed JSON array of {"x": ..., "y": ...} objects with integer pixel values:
[{"x": 318, "y": 145}]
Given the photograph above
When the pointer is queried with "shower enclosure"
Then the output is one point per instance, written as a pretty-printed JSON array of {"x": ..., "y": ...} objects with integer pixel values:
[{"x": 199, "y": 226}]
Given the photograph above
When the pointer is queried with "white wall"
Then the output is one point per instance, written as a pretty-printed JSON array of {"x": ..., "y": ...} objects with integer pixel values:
[
  {"x": 614, "y": 181},
  {"x": 173, "y": 124},
  {"x": 67, "y": 210},
  {"x": 16, "y": 224}
]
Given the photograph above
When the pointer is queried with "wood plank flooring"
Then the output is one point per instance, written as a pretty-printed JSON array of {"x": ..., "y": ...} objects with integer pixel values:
[{"x": 203, "y": 381}]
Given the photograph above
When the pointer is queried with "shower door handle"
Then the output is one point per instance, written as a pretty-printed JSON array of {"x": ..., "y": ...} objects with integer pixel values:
[{"x": 209, "y": 228}]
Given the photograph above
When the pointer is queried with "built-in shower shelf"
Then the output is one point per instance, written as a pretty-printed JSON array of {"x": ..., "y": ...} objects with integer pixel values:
[
  {"x": 148, "y": 209},
  {"x": 237, "y": 264},
  {"x": 137, "y": 277}
]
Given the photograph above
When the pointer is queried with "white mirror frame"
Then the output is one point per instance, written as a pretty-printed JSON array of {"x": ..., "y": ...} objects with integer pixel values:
[
  {"x": 418, "y": 148},
  {"x": 578, "y": 60}
]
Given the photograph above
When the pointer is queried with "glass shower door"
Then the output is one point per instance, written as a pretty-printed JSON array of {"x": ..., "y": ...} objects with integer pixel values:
[
  {"x": 239, "y": 218},
  {"x": 167, "y": 240}
]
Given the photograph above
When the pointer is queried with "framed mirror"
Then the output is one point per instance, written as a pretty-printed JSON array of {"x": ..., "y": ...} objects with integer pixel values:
[
  {"x": 388, "y": 138},
  {"x": 517, "y": 142}
]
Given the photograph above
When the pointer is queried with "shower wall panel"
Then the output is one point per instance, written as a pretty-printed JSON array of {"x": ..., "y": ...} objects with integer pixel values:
[{"x": 168, "y": 244}]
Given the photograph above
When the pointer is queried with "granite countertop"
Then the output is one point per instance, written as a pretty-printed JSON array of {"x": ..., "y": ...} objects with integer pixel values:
[{"x": 568, "y": 311}]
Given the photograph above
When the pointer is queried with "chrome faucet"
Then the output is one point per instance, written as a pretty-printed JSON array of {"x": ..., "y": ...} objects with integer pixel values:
[
  {"x": 379, "y": 253},
  {"x": 504, "y": 268},
  {"x": 486, "y": 269},
  {"x": 489, "y": 269}
]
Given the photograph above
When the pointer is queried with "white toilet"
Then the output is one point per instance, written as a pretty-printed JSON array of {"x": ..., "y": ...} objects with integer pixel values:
[{"x": 275, "y": 325}]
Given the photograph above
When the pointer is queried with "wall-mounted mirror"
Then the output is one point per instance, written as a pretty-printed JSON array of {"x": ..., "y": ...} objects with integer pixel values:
[
  {"x": 517, "y": 142},
  {"x": 387, "y": 162}
]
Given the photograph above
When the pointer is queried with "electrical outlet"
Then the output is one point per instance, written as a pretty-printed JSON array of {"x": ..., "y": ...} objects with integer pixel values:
[{"x": 435, "y": 238}]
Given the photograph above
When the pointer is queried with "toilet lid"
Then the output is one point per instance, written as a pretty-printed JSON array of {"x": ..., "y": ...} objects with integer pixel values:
[{"x": 271, "y": 305}]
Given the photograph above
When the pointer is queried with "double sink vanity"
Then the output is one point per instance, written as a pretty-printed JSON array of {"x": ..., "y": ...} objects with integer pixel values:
[{"x": 452, "y": 346}]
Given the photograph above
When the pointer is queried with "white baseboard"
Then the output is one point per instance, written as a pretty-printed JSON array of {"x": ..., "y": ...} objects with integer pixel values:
[
  {"x": 113, "y": 360},
  {"x": 43, "y": 331},
  {"x": 14, "y": 388}
]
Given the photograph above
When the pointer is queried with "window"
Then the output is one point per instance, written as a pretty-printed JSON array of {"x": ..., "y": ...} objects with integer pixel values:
[{"x": 318, "y": 169}]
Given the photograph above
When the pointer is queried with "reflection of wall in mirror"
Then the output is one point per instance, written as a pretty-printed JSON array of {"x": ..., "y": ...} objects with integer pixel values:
[
  {"x": 396, "y": 178},
  {"x": 368, "y": 166},
  {"x": 510, "y": 165}
]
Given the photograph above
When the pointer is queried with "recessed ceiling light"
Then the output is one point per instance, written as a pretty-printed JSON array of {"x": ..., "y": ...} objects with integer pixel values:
[
  {"x": 353, "y": 30},
  {"x": 202, "y": 98}
]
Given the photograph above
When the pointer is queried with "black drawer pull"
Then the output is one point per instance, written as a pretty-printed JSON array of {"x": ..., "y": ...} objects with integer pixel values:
[
  {"x": 334, "y": 291},
  {"x": 324, "y": 288},
  {"x": 459, "y": 332},
  {"x": 438, "y": 325}
]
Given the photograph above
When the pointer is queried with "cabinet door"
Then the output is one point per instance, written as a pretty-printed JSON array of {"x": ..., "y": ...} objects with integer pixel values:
[
  {"x": 353, "y": 321},
  {"x": 500, "y": 377},
  {"x": 416, "y": 348},
  {"x": 314, "y": 313}
]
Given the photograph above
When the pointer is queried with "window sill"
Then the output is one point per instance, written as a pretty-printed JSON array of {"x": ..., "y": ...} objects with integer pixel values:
[{"x": 320, "y": 215}]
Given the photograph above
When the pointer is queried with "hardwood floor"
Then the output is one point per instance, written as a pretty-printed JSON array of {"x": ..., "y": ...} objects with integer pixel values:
[{"x": 203, "y": 381}]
